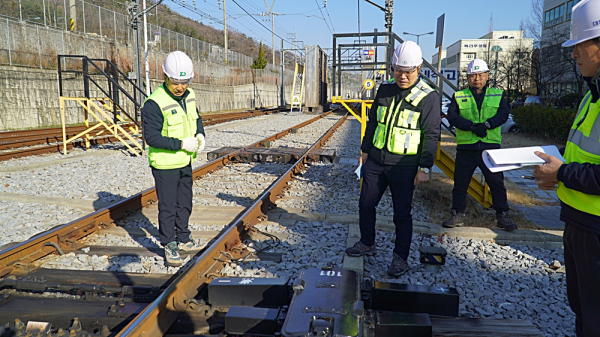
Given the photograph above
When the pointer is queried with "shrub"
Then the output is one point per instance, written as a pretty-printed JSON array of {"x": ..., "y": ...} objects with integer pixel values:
[{"x": 545, "y": 121}]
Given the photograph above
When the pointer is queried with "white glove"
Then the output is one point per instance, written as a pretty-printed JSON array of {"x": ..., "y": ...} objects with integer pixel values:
[
  {"x": 201, "y": 142},
  {"x": 189, "y": 144}
]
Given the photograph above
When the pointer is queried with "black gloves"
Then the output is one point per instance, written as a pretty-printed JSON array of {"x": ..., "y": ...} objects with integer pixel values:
[{"x": 479, "y": 129}]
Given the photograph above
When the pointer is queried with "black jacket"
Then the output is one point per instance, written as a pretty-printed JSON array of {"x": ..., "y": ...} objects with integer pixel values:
[
  {"x": 429, "y": 121},
  {"x": 461, "y": 123},
  {"x": 582, "y": 177},
  {"x": 152, "y": 118}
]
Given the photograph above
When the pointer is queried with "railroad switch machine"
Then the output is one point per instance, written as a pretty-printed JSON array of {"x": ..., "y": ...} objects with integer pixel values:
[{"x": 328, "y": 302}]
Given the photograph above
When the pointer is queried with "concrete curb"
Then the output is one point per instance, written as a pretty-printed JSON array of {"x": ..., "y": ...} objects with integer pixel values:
[{"x": 353, "y": 263}]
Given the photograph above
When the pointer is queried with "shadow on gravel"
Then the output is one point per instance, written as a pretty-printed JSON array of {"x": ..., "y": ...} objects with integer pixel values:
[{"x": 242, "y": 201}]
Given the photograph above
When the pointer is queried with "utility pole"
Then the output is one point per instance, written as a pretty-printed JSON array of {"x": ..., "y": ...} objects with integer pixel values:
[
  {"x": 272, "y": 15},
  {"x": 282, "y": 94},
  {"x": 225, "y": 28},
  {"x": 389, "y": 17}
]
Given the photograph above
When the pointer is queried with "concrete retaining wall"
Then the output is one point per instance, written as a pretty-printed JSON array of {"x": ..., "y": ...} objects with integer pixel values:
[{"x": 29, "y": 98}]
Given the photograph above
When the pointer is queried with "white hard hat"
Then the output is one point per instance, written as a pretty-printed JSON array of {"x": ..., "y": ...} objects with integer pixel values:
[
  {"x": 477, "y": 66},
  {"x": 407, "y": 56},
  {"x": 585, "y": 23},
  {"x": 178, "y": 67}
]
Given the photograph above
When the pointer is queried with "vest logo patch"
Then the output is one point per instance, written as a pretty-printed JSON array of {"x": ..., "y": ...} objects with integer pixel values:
[
  {"x": 464, "y": 100},
  {"x": 173, "y": 111}
]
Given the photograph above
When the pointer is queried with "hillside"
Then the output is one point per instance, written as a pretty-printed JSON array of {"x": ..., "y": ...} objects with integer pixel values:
[{"x": 239, "y": 42}]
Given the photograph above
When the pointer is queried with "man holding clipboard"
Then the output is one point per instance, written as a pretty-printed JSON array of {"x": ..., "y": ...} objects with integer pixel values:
[{"x": 578, "y": 179}]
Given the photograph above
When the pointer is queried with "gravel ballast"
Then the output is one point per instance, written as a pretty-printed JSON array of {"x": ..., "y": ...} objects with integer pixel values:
[{"x": 494, "y": 281}]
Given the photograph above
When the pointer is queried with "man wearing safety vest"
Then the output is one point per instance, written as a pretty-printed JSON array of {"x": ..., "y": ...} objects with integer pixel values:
[
  {"x": 477, "y": 112},
  {"x": 578, "y": 179},
  {"x": 398, "y": 150},
  {"x": 173, "y": 131}
]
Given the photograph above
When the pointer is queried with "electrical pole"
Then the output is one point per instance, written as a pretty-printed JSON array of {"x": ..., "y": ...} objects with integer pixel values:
[
  {"x": 270, "y": 13},
  {"x": 389, "y": 16},
  {"x": 225, "y": 28}
]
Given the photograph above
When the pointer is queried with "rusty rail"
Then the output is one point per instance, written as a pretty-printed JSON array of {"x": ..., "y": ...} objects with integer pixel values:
[
  {"x": 51, "y": 138},
  {"x": 65, "y": 236},
  {"x": 158, "y": 317}
]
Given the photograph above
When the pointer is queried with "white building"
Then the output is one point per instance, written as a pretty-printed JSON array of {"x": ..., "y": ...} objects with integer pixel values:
[{"x": 460, "y": 53}]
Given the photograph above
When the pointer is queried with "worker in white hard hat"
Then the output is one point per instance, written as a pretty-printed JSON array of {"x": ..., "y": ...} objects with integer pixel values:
[
  {"x": 578, "y": 178},
  {"x": 398, "y": 150},
  {"x": 477, "y": 112},
  {"x": 174, "y": 133}
]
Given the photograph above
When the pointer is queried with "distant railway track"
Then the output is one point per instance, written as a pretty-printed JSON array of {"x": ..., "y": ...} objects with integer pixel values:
[
  {"x": 49, "y": 140},
  {"x": 171, "y": 295}
]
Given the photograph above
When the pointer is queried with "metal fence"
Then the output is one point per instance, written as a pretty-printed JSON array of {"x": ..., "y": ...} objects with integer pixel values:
[{"x": 34, "y": 41}]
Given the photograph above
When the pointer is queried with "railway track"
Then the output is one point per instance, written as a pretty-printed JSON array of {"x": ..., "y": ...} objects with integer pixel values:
[
  {"x": 307, "y": 229},
  {"x": 48, "y": 140},
  {"x": 227, "y": 244}
]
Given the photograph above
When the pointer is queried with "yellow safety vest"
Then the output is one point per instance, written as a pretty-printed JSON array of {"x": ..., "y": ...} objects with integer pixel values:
[
  {"x": 468, "y": 109},
  {"x": 177, "y": 124},
  {"x": 400, "y": 129},
  {"x": 583, "y": 146}
]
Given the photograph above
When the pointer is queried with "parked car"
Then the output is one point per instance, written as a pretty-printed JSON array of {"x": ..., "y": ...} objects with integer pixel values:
[
  {"x": 510, "y": 126},
  {"x": 517, "y": 102},
  {"x": 533, "y": 100}
]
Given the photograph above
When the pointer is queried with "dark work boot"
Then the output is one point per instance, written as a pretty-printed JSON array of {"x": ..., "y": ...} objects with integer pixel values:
[
  {"x": 505, "y": 222},
  {"x": 398, "y": 266},
  {"x": 360, "y": 249},
  {"x": 455, "y": 220}
]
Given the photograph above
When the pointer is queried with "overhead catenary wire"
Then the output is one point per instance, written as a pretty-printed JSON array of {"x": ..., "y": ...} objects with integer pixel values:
[
  {"x": 320, "y": 10},
  {"x": 203, "y": 14},
  {"x": 267, "y": 28},
  {"x": 327, "y": 11}
]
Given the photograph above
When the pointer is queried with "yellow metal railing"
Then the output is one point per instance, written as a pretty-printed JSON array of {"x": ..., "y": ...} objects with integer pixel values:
[{"x": 101, "y": 115}]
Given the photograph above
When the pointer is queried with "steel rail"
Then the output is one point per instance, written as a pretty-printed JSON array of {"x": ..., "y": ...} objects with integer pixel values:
[
  {"x": 157, "y": 318},
  {"x": 65, "y": 236},
  {"x": 17, "y": 139}
]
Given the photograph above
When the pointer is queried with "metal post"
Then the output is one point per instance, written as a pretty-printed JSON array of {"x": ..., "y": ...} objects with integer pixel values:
[
  {"x": 83, "y": 15},
  {"x": 20, "y": 12},
  {"x": 282, "y": 98},
  {"x": 44, "y": 5},
  {"x": 65, "y": 12},
  {"x": 333, "y": 62},
  {"x": 225, "y": 27},
  {"x": 115, "y": 25},
  {"x": 273, "y": 33},
  {"x": 146, "y": 62},
  {"x": 100, "y": 23},
  {"x": 37, "y": 29},
  {"x": 8, "y": 40}
]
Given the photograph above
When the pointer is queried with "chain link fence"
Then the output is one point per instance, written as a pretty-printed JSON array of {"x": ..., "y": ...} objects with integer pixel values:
[{"x": 44, "y": 29}]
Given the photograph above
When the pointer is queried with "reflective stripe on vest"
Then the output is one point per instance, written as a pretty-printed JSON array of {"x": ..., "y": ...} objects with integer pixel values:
[
  {"x": 468, "y": 109},
  {"x": 583, "y": 146},
  {"x": 177, "y": 124},
  {"x": 400, "y": 129}
]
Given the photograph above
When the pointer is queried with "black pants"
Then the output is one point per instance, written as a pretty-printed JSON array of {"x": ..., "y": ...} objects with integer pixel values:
[
  {"x": 466, "y": 163},
  {"x": 582, "y": 261},
  {"x": 174, "y": 191},
  {"x": 376, "y": 178}
]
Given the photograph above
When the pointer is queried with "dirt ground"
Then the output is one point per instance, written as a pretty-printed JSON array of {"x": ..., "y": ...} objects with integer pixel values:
[{"x": 435, "y": 196}]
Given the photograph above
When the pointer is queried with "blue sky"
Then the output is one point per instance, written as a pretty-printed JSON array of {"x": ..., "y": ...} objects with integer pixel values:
[{"x": 464, "y": 19}]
